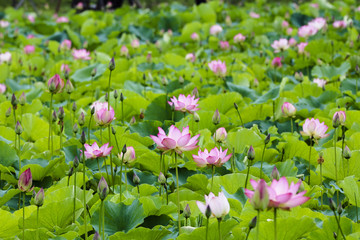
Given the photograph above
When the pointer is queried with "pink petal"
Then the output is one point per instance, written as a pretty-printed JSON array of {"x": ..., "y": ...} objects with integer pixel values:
[
  {"x": 169, "y": 143},
  {"x": 182, "y": 141}
]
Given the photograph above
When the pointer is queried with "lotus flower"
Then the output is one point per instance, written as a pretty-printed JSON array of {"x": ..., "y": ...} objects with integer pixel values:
[
  {"x": 218, "y": 68},
  {"x": 215, "y": 29},
  {"x": 215, "y": 157},
  {"x": 93, "y": 151},
  {"x": 175, "y": 140},
  {"x": 185, "y": 104},
  {"x": 62, "y": 20},
  {"x": 65, "y": 45},
  {"x": 320, "y": 82},
  {"x": 276, "y": 62},
  {"x": 339, "y": 118},
  {"x": 224, "y": 45},
  {"x": 254, "y": 15},
  {"x": 219, "y": 206},
  {"x": 28, "y": 49},
  {"x": 103, "y": 189},
  {"x": 292, "y": 42},
  {"x": 5, "y": 57},
  {"x": 285, "y": 24},
  {"x": 190, "y": 57},
  {"x": 220, "y": 134},
  {"x": 103, "y": 115},
  {"x": 81, "y": 54},
  {"x": 124, "y": 51},
  {"x": 339, "y": 24},
  {"x": 301, "y": 47},
  {"x": 39, "y": 198},
  {"x": 129, "y": 156},
  {"x": 314, "y": 129},
  {"x": 135, "y": 43},
  {"x": 195, "y": 36},
  {"x": 259, "y": 198},
  {"x": 288, "y": 110},
  {"x": 307, "y": 31},
  {"x": 25, "y": 181},
  {"x": 280, "y": 45},
  {"x": 238, "y": 38},
  {"x": 55, "y": 84},
  {"x": 2, "y": 88},
  {"x": 318, "y": 23},
  {"x": 4, "y": 24}
]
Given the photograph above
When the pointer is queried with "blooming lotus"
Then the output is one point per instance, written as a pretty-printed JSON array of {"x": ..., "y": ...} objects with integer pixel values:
[
  {"x": 195, "y": 36},
  {"x": 259, "y": 198},
  {"x": 339, "y": 24},
  {"x": 55, "y": 84},
  {"x": 314, "y": 129},
  {"x": 129, "y": 156},
  {"x": 81, "y": 54},
  {"x": 215, "y": 29},
  {"x": 2, "y": 88},
  {"x": 5, "y": 57},
  {"x": 190, "y": 57},
  {"x": 218, "y": 68},
  {"x": 301, "y": 47},
  {"x": 320, "y": 82},
  {"x": 103, "y": 114},
  {"x": 4, "y": 24},
  {"x": 288, "y": 110},
  {"x": 224, "y": 45},
  {"x": 318, "y": 23},
  {"x": 219, "y": 205},
  {"x": 93, "y": 151},
  {"x": 280, "y": 45},
  {"x": 238, "y": 38},
  {"x": 185, "y": 104},
  {"x": 307, "y": 31},
  {"x": 25, "y": 181},
  {"x": 28, "y": 49},
  {"x": 276, "y": 62},
  {"x": 65, "y": 45},
  {"x": 215, "y": 157},
  {"x": 175, "y": 140}
]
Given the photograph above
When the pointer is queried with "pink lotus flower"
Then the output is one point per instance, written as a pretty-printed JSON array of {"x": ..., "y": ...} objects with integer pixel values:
[
  {"x": 318, "y": 23},
  {"x": 218, "y": 68},
  {"x": 103, "y": 115},
  {"x": 93, "y": 151},
  {"x": 314, "y": 129},
  {"x": 29, "y": 49},
  {"x": 307, "y": 31},
  {"x": 215, "y": 29},
  {"x": 65, "y": 45},
  {"x": 276, "y": 62},
  {"x": 285, "y": 24},
  {"x": 135, "y": 43},
  {"x": 5, "y": 57},
  {"x": 64, "y": 68},
  {"x": 219, "y": 206},
  {"x": 220, "y": 134},
  {"x": 339, "y": 24},
  {"x": 259, "y": 198},
  {"x": 30, "y": 36},
  {"x": 195, "y": 36},
  {"x": 215, "y": 157},
  {"x": 238, "y": 38},
  {"x": 62, "y": 20},
  {"x": 280, "y": 194},
  {"x": 124, "y": 51},
  {"x": 314, "y": 5},
  {"x": 4, "y": 24},
  {"x": 55, "y": 84},
  {"x": 2, "y": 88},
  {"x": 280, "y": 45},
  {"x": 129, "y": 156},
  {"x": 288, "y": 110},
  {"x": 79, "y": 6},
  {"x": 109, "y": 5},
  {"x": 190, "y": 57},
  {"x": 301, "y": 47},
  {"x": 25, "y": 181},
  {"x": 185, "y": 104},
  {"x": 292, "y": 42},
  {"x": 224, "y": 45},
  {"x": 81, "y": 54},
  {"x": 339, "y": 117},
  {"x": 320, "y": 82},
  {"x": 254, "y": 15},
  {"x": 175, "y": 140},
  {"x": 31, "y": 18},
  {"x": 289, "y": 31}
]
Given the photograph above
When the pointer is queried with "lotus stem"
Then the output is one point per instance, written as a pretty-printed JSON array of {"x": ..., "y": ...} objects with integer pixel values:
[
  {"x": 74, "y": 194},
  {"x": 292, "y": 125},
  {"x": 247, "y": 174},
  {"x": 242, "y": 123},
  {"x": 257, "y": 225},
  {"x": 177, "y": 190},
  {"x": 50, "y": 126},
  {"x": 111, "y": 162},
  {"x": 212, "y": 176},
  {"x": 311, "y": 140},
  {"x": 336, "y": 172},
  {"x": 262, "y": 160},
  {"x": 23, "y": 214},
  {"x": 275, "y": 233},
  {"x": 102, "y": 218},
  {"x": 37, "y": 223},
  {"x": 84, "y": 191},
  {"x": 219, "y": 229},
  {"x": 121, "y": 167},
  {"x": 207, "y": 228}
]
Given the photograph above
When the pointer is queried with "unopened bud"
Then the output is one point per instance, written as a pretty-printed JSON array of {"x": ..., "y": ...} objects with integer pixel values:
[
  {"x": 76, "y": 162},
  {"x": 334, "y": 235},
  {"x": 162, "y": 178},
  {"x": 112, "y": 64},
  {"x": 96, "y": 236},
  {"x": 83, "y": 138},
  {"x": 54, "y": 116},
  {"x": 133, "y": 120},
  {"x": 22, "y": 99},
  {"x": 216, "y": 117},
  {"x": 103, "y": 189},
  {"x": 18, "y": 128},
  {"x": 196, "y": 117},
  {"x": 181, "y": 80},
  {"x": 195, "y": 92},
  {"x": 339, "y": 209},
  {"x": 61, "y": 113},
  {"x": 92, "y": 111},
  {"x": 81, "y": 119},
  {"x": 236, "y": 106},
  {"x": 347, "y": 152},
  {"x": 275, "y": 174},
  {"x": 267, "y": 139},
  {"x": 253, "y": 223},
  {"x": 332, "y": 205},
  {"x": 69, "y": 88},
  {"x": 164, "y": 81},
  {"x": 207, "y": 212},
  {"x": 121, "y": 97},
  {"x": 75, "y": 128},
  {"x": 116, "y": 95},
  {"x": 113, "y": 130},
  {"x": 124, "y": 149},
  {"x": 106, "y": 97},
  {"x": 93, "y": 72},
  {"x": 70, "y": 172},
  {"x": 39, "y": 198},
  {"x": 14, "y": 101},
  {"x": 136, "y": 179},
  {"x": 251, "y": 153},
  {"x": 336, "y": 120},
  {"x": 74, "y": 107},
  {"x": 299, "y": 76},
  {"x": 8, "y": 112},
  {"x": 187, "y": 211}
]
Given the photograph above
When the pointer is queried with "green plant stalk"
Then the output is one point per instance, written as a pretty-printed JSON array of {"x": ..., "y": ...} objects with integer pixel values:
[
  {"x": 262, "y": 160},
  {"x": 23, "y": 215},
  {"x": 122, "y": 112},
  {"x": 50, "y": 125},
  {"x": 212, "y": 176},
  {"x": 321, "y": 202},
  {"x": 275, "y": 233},
  {"x": 292, "y": 125},
  {"x": 309, "y": 160},
  {"x": 111, "y": 162},
  {"x": 89, "y": 129},
  {"x": 37, "y": 223},
  {"x": 357, "y": 215},
  {"x": 233, "y": 168},
  {"x": 103, "y": 219},
  {"x": 14, "y": 113},
  {"x": 342, "y": 152},
  {"x": 60, "y": 140},
  {"x": 336, "y": 171},
  {"x": 100, "y": 220},
  {"x": 160, "y": 163},
  {"x": 177, "y": 192},
  {"x": 84, "y": 191},
  {"x": 273, "y": 110},
  {"x": 247, "y": 234},
  {"x": 108, "y": 92},
  {"x": 74, "y": 194},
  {"x": 125, "y": 172},
  {"x": 242, "y": 123},
  {"x": 257, "y": 225},
  {"x": 247, "y": 174},
  {"x": 207, "y": 228},
  {"x": 121, "y": 166},
  {"x": 19, "y": 146},
  {"x": 338, "y": 223},
  {"x": 219, "y": 229}
]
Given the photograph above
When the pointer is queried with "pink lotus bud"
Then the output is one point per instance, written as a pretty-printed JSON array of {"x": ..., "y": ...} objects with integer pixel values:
[
  {"x": 301, "y": 47},
  {"x": 25, "y": 181},
  {"x": 239, "y": 38},
  {"x": 224, "y": 45},
  {"x": 284, "y": 24},
  {"x": 347, "y": 153},
  {"x": 339, "y": 119},
  {"x": 251, "y": 153},
  {"x": 276, "y": 62},
  {"x": 39, "y": 198},
  {"x": 292, "y": 42},
  {"x": 79, "y": 6},
  {"x": 218, "y": 68},
  {"x": 22, "y": 99},
  {"x": 228, "y": 20},
  {"x": 65, "y": 45},
  {"x": 275, "y": 174},
  {"x": 103, "y": 189},
  {"x": 149, "y": 57},
  {"x": 259, "y": 199},
  {"x": 190, "y": 57},
  {"x": 195, "y": 36},
  {"x": 55, "y": 84},
  {"x": 28, "y": 49},
  {"x": 288, "y": 110},
  {"x": 124, "y": 51},
  {"x": 289, "y": 31},
  {"x": 220, "y": 134},
  {"x": 254, "y": 15},
  {"x": 216, "y": 117},
  {"x": 135, "y": 43},
  {"x": 129, "y": 156},
  {"x": 215, "y": 29}
]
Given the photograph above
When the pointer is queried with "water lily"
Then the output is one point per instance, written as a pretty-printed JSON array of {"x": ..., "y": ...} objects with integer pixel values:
[
  {"x": 215, "y": 157},
  {"x": 314, "y": 129},
  {"x": 103, "y": 114},
  {"x": 185, "y": 104},
  {"x": 94, "y": 151}
]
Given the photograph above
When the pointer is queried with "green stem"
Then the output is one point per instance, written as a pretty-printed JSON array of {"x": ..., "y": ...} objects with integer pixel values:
[
  {"x": 219, "y": 229},
  {"x": 357, "y": 216},
  {"x": 336, "y": 172},
  {"x": 262, "y": 160},
  {"x": 247, "y": 234},
  {"x": 273, "y": 110},
  {"x": 338, "y": 223},
  {"x": 321, "y": 202},
  {"x": 309, "y": 160},
  {"x": 258, "y": 225},
  {"x": 19, "y": 152},
  {"x": 23, "y": 215},
  {"x": 74, "y": 194},
  {"x": 212, "y": 176},
  {"x": 242, "y": 123},
  {"x": 50, "y": 125},
  {"x": 14, "y": 113},
  {"x": 292, "y": 125},
  {"x": 103, "y": 219},
  {"x": 121, "y": 166},
  {"x": 84, "y": 191},
  {"x": 342, "y": 152},
  {"x": 177, "y": 190},
  {"x": 89, "y": 129},
  {"x": 108, "y": 92},
  {"x": 125, "y": 173},
  {"x": 122, "y": 112},
  {"x": 275, "y": 233},
  {"x": 37, "y": 223},
  {"x": 111, "y": 162},
  {"x": 207, "y": 228},
  {"x": 247, "y": 174}
]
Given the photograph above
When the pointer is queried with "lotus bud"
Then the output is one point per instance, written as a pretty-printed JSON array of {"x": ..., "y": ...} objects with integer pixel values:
[
  {"x": 144, "y": 77},
  {"x": 334, "y": 235},
  {"x": 75, "y": 128},
  {"x": 39, "y": 198},
  {"x": 61, "y": 113},
  {"x": 70, "y": 172},
  {"x": 195, "y": 92},
  {"x": 339, "y": 119},
  {"x": 74, "y": 107},
  {"x": 332, "y": 205},
  {"x": 260, "y": 200},
  {"x": 320, "y": 159},
  {"x": 136, "y": 179},
  {"x": 253, "y": 223},
  {"x": 162, "y": 178},
  {"x": 22, "y": 99},
  {"x": 69, "y": 88},
  {"x": 142, "y": 113},
  {"x": 208, "y": 212},
  {"x": 220, "y": 134},
  {"x": 112, "y": 64},
  {"x": 103, "y": 189},
  {"x": 106, "y": 97},
  {"x": 83, "y": 138},
  {"x": 133, "y": 120},
  {"x": 76, "y": 162},
  {"x": 25, "y": 181},
  {"x": 236, "y": 106},
  {"x": 216, "y": 117},
  {"x": 299, "y": 76},
  {"x": 275, "y": 174},
  {"x": 129, "y": 155},
  {"x": 113, "y": 130},
  {"x": 54, "y": 116},
  {"x": 93, "y": 72},
  {"x": 267, "y": 139},
  {"x": 251, "y": 153},
  {"x": 81, "y": 119},
  {"x": 187, "y": 211},
  {"x": 181, "y": 80},
  {"x": 96, "y": 235},
  {"x": 339, "y": 209},
  {"x": 8, "y": 112},
  {"x": 288, "y": 110},
  {"x": 196, "y": 117},
  {"x": 14, "y": 101},
  {"x": 347, "y": 153},
  {"x": 18, "y": 128},
  {"x": 149, "y": 57},
  {"x": 116, "y": 95},
  {"x": 121, "y": 97},
  {"x": 164, "y": 81}
]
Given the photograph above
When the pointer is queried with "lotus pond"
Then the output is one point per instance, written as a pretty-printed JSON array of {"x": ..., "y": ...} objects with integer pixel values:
[{"x": 214, "y": 121}]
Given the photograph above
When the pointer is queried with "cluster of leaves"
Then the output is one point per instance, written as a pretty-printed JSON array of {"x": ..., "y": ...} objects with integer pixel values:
[{"x": 252, "y": 83}]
